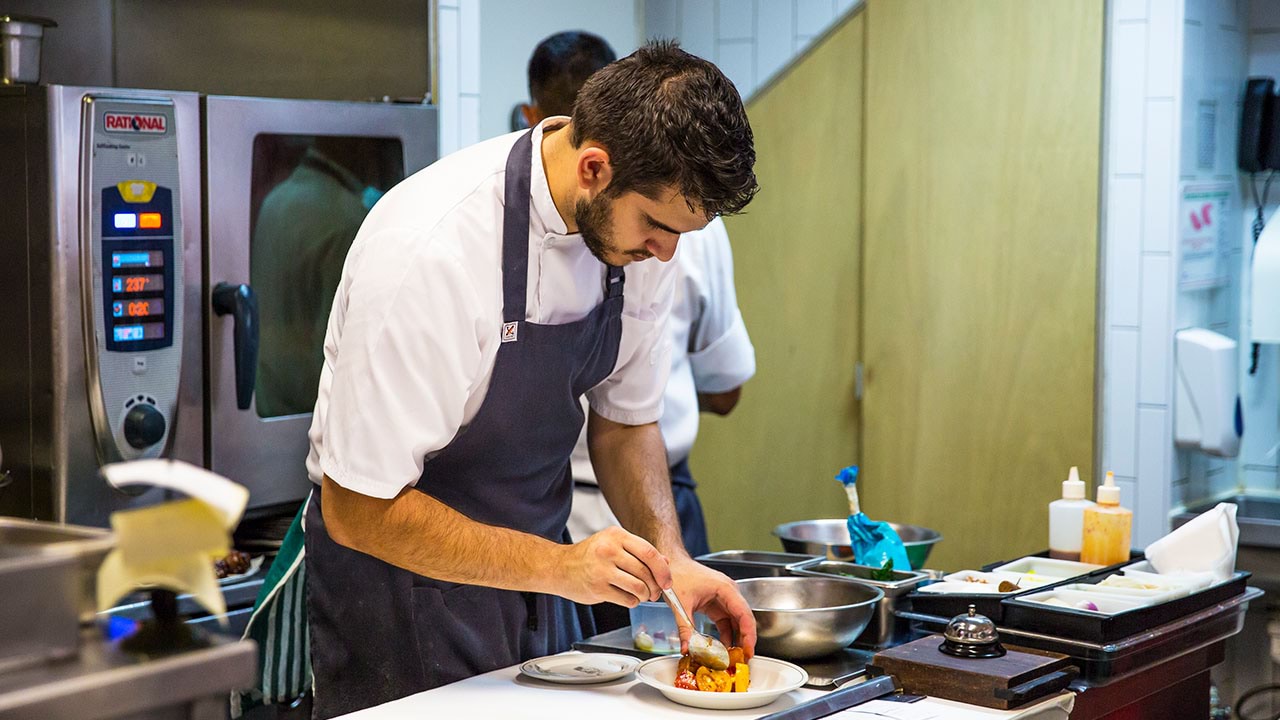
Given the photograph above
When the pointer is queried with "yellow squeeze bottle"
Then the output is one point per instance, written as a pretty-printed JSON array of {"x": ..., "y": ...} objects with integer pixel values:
[{"x": 1108, "y": 528}]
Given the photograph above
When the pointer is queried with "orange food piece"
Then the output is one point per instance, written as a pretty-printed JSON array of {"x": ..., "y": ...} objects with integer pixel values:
[
  {"x": 705, "y": 681},
  {"x": 723, "y": 682},
  {"x": 741, "y": 677},
  {"x": 736, "y": 656}
]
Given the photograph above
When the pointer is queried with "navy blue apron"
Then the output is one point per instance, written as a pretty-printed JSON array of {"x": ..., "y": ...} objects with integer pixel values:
[{"x": 379, "y": 632}]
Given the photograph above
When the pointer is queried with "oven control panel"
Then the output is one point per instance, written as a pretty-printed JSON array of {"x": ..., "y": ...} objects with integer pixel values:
[{"x": 132, "y": 273}]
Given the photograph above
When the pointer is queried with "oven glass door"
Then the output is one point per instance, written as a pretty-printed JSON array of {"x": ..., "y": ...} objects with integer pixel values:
[{"x": 289, "y": 183}]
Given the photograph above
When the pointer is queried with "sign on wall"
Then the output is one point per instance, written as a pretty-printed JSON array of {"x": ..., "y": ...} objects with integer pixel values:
[{"x": 1202, "y": 238}]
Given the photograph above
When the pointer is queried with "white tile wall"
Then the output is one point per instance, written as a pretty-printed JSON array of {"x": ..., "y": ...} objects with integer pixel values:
[
  {"x": 1164, "y": 21},
  {"x": 1159, "y": 171},
  {"x": 1130, "y": 10},
  {"x": 459, "y": 74},
  {"x": 813, "y": 16},
  {"x": 751, "y": 40},
  {"x": 1155, "y": 452},
  {"x": 736, "y": 59},
  {"x": 736, "y": 19},
  {"x": 1120, "y": 445},
  {"x": 1155, "y": 346},
  {"x": 1140, "y": 174},
  {"x": 1123, "y": 253},
  {"x": 1126, "y": 80},
  {"x": 775, "y": 35}
]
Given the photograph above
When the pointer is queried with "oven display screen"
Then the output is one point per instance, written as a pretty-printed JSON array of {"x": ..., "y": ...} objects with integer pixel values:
[
  {"x": 142, "y": 331},
  {"x": 137, "y": 259},
  {"x": 138, "y": 308},
  {"x": 137, "y": 283},
  {"x": 138, "y": 265}
]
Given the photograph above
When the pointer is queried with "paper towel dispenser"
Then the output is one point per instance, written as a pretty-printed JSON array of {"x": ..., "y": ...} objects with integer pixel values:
[{"x": 1207, "y": 414}]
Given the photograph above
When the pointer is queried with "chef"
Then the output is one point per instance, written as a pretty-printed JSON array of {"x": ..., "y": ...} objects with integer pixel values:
[
  {"x": 482, "y": 297},
  {"x": 711, "y": 352}
]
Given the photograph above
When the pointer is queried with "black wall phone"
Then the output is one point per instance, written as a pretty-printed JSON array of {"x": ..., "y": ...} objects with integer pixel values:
[{"x": 1260, "y": 127}]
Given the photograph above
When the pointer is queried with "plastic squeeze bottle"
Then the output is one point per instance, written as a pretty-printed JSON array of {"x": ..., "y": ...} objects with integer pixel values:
[
  {"x": 1066, "y": 519},
  {"x": 1107, "y": 527}
]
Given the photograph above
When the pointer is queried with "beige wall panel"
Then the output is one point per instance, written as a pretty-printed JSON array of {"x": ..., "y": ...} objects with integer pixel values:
[
  {"x": 980, "y": 264},
  {"x": 796, "y": 266}
]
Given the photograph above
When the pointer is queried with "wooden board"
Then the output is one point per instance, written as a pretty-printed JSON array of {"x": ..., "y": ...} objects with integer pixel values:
[
  {"x": 979, "y": 266},
  {"x": 1020, "y": 676},
  {"x": 796, "y": 266}
]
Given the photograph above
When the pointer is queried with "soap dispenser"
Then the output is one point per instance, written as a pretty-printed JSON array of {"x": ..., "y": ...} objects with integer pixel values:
[{"x": 1108, "y": 528}]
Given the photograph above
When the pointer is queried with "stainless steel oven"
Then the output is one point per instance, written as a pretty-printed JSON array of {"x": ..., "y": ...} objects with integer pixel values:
[{"x": 168, "y": 261}]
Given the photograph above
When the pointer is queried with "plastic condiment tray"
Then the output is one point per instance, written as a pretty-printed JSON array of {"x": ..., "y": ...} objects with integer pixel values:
[
  {"x": 1024, "y": 614},
  {"x": 992, "y": 604}
]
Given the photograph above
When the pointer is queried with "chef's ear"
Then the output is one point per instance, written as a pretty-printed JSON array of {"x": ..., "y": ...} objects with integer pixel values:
[{"x": 594, "y": 169}]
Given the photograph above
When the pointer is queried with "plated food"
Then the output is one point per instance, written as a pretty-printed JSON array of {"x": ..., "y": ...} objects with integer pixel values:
[
  {"x": 690, "y": 675},
  {"x": 770, "y": 679}
]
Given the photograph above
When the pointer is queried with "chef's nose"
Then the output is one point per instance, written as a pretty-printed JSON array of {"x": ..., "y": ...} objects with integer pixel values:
[{"x": 663, "y": 249}]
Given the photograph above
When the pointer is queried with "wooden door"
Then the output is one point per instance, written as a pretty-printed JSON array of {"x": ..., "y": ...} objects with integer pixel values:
[
  {"x": 979, "y": 265},
  {"x": 797, "y": 270}
]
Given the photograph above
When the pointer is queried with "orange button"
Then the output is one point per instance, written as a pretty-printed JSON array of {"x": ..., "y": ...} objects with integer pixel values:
[{"x": 150, "y": 221}]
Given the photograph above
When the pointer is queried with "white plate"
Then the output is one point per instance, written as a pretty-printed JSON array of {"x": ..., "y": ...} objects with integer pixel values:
[
  {"x": 770, "y": 680},
  {"x": 580, "y": 668},
  {"x": 255, "y": 564}
]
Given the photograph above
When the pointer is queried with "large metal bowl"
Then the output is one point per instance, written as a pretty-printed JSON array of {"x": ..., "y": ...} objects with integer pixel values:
[
  {"x": 798, "y": 618},
  {"x": 830, "y": 538}
]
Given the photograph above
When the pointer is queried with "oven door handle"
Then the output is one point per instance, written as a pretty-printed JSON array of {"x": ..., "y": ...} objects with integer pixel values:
[{"x": 240, "y": 302}]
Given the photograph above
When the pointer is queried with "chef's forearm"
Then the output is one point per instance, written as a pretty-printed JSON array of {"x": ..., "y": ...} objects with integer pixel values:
[
  {"x": 418, "y": 533},
  {"x": 630, "y": 463}
]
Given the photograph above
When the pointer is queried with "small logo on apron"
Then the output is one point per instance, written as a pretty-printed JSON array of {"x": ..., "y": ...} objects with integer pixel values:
[{"x": 509, "y": 331}]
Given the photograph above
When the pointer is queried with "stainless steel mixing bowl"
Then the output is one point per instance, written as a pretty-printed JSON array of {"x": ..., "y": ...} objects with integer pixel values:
[
  {"x": 798, "y": 618},
  {"x": 830, "y": 538}
]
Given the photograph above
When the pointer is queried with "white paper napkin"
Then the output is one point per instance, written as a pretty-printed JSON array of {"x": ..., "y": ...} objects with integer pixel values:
[{"x": 1205, "y": 544}]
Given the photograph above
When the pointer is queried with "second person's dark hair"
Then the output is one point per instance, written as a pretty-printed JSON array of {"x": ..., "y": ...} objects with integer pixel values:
[
  {"x": 559, "y": 66},
  {"x": 669, "y": 119}
]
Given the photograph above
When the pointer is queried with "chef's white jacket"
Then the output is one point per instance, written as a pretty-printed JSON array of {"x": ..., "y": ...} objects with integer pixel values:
[
  {"x": 414, "y": 330},
  {"x": 711, "y": 353}
]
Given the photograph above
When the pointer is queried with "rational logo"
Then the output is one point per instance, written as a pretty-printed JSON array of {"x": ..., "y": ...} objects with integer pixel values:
[{"x": 127, "y": 123}]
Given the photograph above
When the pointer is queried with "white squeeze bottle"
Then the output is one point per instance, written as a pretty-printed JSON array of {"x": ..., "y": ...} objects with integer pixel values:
[{"x": 1066, "y": 519}]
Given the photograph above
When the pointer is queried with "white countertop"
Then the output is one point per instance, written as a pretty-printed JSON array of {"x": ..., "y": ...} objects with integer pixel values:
[{"x": 506, "y": 693}]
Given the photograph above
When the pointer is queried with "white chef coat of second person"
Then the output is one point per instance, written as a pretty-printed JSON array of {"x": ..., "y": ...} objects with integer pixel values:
[
  {"x": 416, "y": 319},
  {"x": 711, "y": 352}
]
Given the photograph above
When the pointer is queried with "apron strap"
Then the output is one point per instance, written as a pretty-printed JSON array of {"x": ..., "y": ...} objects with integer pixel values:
[{"x": 515, "y": 230}]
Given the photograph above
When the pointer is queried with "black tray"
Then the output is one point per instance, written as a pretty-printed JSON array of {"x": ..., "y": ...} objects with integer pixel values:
[
  {"x": 1134, "y": 556},
  {"x": 992, "y": 604},
  {"x": 1022, "y": 614},
  {"x": 1101, "y": 663}
]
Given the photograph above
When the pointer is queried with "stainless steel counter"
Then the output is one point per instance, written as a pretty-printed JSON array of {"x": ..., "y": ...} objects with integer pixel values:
[{"x": 104, "y": 683}]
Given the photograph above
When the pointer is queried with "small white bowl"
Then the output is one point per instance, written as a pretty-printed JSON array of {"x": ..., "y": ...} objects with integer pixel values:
[{"x": 770, "y": 680}]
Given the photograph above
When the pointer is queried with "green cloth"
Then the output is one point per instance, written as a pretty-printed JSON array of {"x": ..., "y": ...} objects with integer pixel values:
[{"x": 279, "y": 626}]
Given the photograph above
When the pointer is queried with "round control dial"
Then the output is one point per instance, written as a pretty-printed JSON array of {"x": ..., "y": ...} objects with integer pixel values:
[{"x": 143, "y": 426}]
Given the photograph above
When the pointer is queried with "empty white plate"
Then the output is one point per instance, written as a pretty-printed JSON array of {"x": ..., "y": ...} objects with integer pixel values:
[{"x": 580, "y": 668}]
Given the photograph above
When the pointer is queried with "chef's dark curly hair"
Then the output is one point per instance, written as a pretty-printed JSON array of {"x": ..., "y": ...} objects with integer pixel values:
[
  {"x": 670, "y": 119},
  {"x": 559, "y": 66}
]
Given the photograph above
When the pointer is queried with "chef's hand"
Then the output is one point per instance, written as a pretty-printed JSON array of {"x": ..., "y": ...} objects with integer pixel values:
[
  {"x": 704, "y": 590},
  {"x": 613, "y": 565}
]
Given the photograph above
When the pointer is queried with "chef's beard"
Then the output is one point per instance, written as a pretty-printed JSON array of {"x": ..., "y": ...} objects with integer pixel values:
[{"x": 595, "y": 223}]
